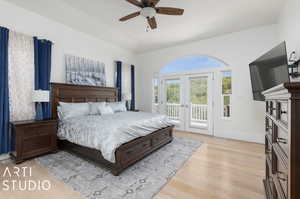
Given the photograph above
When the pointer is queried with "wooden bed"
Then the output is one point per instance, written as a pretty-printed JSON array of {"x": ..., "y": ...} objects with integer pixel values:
[{"x": 128, "y": 153}]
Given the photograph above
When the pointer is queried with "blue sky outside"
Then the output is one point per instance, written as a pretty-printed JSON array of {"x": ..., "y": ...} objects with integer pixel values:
[{"x": 192, "y": 63}]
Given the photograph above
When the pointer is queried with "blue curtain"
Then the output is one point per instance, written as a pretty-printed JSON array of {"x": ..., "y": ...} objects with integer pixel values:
[
  {"x": 132, "y": 106},
  {"x": 119, "y": 80},
  {"x": 5, "y": 144},
  {"x": 42, "y": 62}
]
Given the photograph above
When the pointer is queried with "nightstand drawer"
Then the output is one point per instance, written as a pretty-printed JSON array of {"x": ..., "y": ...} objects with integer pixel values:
[
  {"x": 40, "y": 130},
  {"x": 38, "y": 143}
]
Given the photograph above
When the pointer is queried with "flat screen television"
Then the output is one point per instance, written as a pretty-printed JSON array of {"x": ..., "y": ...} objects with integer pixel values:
[{"x": 269, "y": 70}]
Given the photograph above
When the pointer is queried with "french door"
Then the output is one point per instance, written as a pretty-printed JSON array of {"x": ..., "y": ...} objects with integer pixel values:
[{"x": 187, "y": 101}]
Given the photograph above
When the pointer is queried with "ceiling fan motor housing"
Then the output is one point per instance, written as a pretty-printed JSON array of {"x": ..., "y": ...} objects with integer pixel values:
[{"x": 148, "y": 12}]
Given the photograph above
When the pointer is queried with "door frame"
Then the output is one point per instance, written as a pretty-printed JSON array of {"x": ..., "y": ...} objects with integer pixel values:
[
  {"x": 162, "y": 108},
  {"x": 184, "y": 77},
  {"x": 210, "y": 117}
]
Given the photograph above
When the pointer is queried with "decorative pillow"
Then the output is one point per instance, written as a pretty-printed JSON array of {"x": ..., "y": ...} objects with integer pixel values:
[
  {"x": 69, "y": 110},
  {"x": 118, "y": 106},
  {"x": 95, "y": 106},
  {"x": 105, "y": 110}
]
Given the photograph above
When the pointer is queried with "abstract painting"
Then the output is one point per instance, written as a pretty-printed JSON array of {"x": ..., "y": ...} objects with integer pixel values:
[{"x": 83, "y": 71}]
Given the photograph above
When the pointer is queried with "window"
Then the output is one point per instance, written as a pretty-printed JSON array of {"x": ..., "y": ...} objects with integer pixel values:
[
  {"x": 173, "y": 91},
  {"x": 192, "y": 63},
  {"x": 155, "y": 101},
  {"x": 226, "y": 94},
  {"x": 199, "y": 90}
]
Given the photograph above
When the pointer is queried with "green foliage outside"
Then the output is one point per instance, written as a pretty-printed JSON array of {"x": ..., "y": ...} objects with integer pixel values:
[
  {"x": 226, "y": 100},
  {"x": 173, "y": 92},
  {"x": 198, "y": 91},
  {"x": 226, "y": 85},
  {"x": 226, "y": 89}
]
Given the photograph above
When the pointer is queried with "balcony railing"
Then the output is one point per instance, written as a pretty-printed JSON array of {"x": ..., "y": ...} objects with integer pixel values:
[
  {"x": 198, "y": 112},
  {"x": 173, "y": 111}
]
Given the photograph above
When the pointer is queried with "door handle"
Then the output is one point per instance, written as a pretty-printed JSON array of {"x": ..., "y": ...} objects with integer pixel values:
[{"x": 281, "y": 140}]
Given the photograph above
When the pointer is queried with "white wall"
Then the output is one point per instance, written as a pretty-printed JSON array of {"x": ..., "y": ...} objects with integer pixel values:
[
  {"x": 289, "y": 26},
  {"x": 66, "y": 41},
  {"x": 237, "y": 50}
]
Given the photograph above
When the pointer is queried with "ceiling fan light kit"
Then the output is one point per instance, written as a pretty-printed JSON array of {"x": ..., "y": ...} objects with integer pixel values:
[{"x": 149, "y": 11}]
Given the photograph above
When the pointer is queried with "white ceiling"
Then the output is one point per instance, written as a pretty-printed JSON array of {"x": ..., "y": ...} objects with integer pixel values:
[{"x": 202, "y": 19}]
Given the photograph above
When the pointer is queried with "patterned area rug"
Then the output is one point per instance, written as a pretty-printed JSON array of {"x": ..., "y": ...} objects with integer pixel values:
[{"x": 140, "y": 181}]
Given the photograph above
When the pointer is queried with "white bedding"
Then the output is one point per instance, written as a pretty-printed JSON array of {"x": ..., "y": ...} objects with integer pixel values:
[{"x": 106, "y": 133}]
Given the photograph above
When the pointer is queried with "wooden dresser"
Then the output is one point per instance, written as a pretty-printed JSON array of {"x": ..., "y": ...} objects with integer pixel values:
[{"x": 282, "y": 141}]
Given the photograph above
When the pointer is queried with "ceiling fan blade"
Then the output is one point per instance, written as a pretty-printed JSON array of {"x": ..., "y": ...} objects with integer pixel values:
[
  {"x": 169, "y": 11},
  {"x": 153, "y": 2},
  {"x": 152, "y": 23},
  {"x": 135, "y": 14},
  {"x": 136, "y": 3}
]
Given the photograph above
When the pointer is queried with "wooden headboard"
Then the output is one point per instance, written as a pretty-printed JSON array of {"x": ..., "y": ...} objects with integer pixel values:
[{"x": 77, "y": 93}]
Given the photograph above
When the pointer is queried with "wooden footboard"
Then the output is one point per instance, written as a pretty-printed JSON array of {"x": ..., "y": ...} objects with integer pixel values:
[
  {"x": 127, "y": 154},
  {"x": 131, "y": 152}
]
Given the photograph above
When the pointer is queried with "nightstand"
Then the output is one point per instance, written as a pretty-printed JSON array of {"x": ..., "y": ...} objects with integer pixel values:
[{"x": 33, "y": 138}]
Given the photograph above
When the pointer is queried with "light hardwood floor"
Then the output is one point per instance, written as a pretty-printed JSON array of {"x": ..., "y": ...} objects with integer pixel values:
[{"x": 220, "y": 169}]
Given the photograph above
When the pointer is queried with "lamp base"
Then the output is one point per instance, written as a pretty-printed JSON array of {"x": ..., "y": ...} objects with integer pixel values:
[
  {"x": 128, "y": 105},
  {"x": 39, "y": 111}
]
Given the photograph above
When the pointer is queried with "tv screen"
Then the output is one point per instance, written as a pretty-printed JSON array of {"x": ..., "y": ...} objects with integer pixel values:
[{"x": 269, "y": 70}]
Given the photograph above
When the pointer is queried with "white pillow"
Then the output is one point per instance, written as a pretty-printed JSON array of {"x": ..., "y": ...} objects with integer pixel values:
[
  {"x": 118, "y": 106},
  {"x": 95, "y": 106},
  {"x": 69, "y": 110},
  {"x": 60, "y": 113},
  {"x": 105, "y": 110}
]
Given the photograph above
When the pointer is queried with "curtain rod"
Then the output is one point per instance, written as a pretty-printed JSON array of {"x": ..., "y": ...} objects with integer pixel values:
[
  {"x": 10, "y": 30},
  {"x": 28, "y": 35}
]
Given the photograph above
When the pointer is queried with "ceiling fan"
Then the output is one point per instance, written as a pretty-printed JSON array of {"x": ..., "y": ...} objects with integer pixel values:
[{"x": 149, "y": 11}]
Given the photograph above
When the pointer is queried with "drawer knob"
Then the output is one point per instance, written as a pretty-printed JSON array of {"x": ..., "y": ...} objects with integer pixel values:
[
  {"x": 282, "y": 140},
  {"x": 282, "y": 178},
  {"x": 282, "y": 112}
]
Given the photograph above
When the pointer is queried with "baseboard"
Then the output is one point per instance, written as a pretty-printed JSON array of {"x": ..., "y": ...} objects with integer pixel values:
[
  {"x": 4, "y": 156},
  {"x": 243, "y": 136}
]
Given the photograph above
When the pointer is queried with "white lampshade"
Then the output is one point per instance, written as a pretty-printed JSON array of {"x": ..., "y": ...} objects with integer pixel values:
[{"x": 40, "y": 96}]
